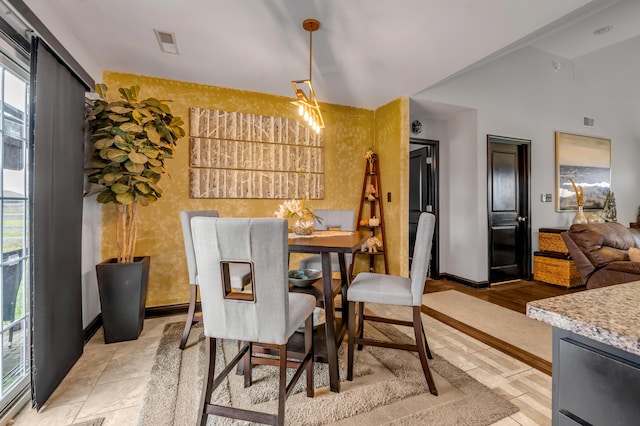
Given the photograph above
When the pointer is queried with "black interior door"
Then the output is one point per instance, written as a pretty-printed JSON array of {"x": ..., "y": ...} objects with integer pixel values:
[
  {"x": 423, "y": 194},
  {"x": 508, "y": 199}
]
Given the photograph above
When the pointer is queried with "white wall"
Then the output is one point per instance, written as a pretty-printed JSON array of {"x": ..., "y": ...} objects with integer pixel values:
[
  {"x": 521, "y": 96},
  {"x": 91, "y": 213},
  {"x": 460, "y": 171},
  {"x": 431, "y": 128},
  {"x": 47, "y": 13}
]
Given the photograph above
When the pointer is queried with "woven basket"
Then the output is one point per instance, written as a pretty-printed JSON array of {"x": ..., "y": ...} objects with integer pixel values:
[
  {"x": 552, "y": 270},
  {"x": 548, "y": 241}
]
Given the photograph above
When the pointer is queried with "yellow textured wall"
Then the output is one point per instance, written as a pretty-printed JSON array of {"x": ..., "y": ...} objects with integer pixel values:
[
  {"x": 349, "y": 131},
  {"x": 392, "y": 145}
]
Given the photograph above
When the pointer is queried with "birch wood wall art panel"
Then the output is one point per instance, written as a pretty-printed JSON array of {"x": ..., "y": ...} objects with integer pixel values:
[
  {"x": 221, "y": 183},
  {"x": 215, "y": 124},
  {"x": 236, "y": 155},
  {"x": 228, "y": 154}
]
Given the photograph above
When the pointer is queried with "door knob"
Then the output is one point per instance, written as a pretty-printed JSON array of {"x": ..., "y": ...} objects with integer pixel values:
[{"x": 521, "y": 219}]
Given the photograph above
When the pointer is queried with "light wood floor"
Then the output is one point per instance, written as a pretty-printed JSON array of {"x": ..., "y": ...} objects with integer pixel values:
[{"x": 512, "y": 296}]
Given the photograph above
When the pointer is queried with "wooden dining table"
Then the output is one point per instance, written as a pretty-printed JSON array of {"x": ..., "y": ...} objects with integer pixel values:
[{"x": 325, "y": 243}]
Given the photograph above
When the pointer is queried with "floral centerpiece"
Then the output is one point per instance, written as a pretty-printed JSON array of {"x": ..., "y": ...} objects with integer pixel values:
[
  {"x": 303, "y": 216},
  {"x": 371, "y": 156}
]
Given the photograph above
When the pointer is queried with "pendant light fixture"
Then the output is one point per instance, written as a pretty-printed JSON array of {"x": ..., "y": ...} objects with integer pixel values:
[{"x": 307, "y": 104}]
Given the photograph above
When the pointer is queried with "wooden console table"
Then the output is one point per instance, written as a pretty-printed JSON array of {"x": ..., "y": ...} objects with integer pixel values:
[{"x": 553, "y": 264}]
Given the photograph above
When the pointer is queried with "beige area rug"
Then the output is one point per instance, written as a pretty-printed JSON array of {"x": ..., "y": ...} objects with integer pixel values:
[
  {"x": 94, "y": 422},
  {"x": 507, "y": 325},
  {"x": 387, "y": 381}
]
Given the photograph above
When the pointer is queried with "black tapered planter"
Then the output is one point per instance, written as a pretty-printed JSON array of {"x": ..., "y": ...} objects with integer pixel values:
[{"x": 123, "y": 294}]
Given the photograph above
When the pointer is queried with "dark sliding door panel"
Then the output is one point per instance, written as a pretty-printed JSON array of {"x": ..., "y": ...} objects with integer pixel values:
[{"x": 57, "y": 129}]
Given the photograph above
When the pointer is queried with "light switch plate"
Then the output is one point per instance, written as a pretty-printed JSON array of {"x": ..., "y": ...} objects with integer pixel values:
[{"x": 546, "y": 198}]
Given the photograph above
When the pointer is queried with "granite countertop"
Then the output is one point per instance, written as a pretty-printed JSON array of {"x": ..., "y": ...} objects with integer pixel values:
[{"x": 609, "y": 315}]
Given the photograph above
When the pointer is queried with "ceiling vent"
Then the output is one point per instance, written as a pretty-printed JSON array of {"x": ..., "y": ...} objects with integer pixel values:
[
  {"x": 167, "y": 42},
  {"x": 588, "y": 121}
]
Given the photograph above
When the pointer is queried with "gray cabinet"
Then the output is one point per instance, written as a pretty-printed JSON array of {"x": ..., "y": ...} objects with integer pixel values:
[{"x": 593, "y": 383}]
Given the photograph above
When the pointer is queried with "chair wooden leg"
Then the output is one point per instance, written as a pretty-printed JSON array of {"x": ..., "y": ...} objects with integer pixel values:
[
  {"x": 426, "y": 343},
  {"x": 282, "y": 386},
  {"x": 248, "y": 377},
  {"x": 308, "y": 348},
  {"x": 351, "y": 325},
  {"x": 344, "y": 282},
  {"x": 361, "y": 323},
  {"x": 193, "y": 297},
  {"x": 351, "y": 269},
  {"x": 207, "y": 388},
  {"x": 421, "y": 344},
  {"x": 240, "y": 366}
]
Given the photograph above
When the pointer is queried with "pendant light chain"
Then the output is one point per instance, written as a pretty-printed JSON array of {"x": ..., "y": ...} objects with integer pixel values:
[
  {"x": 307, "y": 103},
  {"x": 310, "y": 53}
]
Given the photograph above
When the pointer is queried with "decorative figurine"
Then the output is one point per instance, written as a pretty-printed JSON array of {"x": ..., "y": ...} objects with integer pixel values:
[
  {"x": 371, "y": 192},
  {"x": 371, "y": 245},
  {"x": 609, "y": 213}
]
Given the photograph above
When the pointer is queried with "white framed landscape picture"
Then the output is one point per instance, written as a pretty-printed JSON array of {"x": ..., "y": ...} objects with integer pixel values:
[{"x": 586, "y": 160}]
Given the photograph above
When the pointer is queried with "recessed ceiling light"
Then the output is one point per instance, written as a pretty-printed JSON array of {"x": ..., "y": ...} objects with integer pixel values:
[{"x": 603, "y": 30}]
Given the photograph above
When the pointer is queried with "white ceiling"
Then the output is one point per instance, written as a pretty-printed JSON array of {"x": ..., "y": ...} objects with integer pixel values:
[
  {"x": 366, "y": 52},
  {"x": 578, "y": 39}
]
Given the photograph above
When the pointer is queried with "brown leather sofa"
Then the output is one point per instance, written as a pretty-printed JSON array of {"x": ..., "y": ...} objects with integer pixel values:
[{"x": 600, "y": 252}]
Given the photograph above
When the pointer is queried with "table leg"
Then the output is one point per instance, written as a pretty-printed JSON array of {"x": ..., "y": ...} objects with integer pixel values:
[
  {"x": 345, "y": 280},
  {"x": 332, "y": 349}
]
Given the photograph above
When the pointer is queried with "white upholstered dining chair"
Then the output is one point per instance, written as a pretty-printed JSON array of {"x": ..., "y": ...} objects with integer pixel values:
[
  {"x": 394, "y": 290},
  {"x": 240, "y": 274},
  {"x": 267, "y": 314},
  {"x": 343, "y": 220},
  {"x": 185, "y": 220}
]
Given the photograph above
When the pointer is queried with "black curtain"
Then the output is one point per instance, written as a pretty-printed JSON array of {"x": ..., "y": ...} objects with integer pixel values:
[{"x": 57, "y": 130}]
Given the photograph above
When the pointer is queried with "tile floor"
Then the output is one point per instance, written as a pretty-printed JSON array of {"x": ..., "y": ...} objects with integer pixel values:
[{"x": 109, "y": 380}]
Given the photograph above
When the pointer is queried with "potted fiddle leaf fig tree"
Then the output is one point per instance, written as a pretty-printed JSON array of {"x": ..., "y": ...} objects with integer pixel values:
[{"x": 131, "y": 141}]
